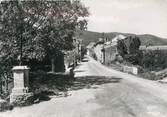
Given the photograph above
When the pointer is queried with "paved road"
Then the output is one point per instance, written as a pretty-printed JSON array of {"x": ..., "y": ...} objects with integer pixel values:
[{"x": 102, "y": 92}]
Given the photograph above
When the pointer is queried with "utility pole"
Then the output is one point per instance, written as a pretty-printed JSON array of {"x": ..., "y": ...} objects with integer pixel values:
[{"x": 103, "y": 49}]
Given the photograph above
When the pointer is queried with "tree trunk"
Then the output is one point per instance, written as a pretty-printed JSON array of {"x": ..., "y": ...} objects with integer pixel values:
[
  {"x": 74, "y": 61},
  {"x": 53, "y": 64},
  {"x": 1, "y": 87},
  {"x": 6, "y": 85}
]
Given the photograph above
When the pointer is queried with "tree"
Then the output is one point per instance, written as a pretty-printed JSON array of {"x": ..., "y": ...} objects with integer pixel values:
[
  {"x": 60, "y": 22},
  {"x": 36, "y": 29},
  {"x": 122, "y": 49},
  {"x": 129, "y": 49},
  {"x": 133, "y": 44},
  {"x": 17, "y": 34}
]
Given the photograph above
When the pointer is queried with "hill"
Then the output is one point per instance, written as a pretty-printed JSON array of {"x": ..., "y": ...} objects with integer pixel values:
[{"x": 146, "y": 39}]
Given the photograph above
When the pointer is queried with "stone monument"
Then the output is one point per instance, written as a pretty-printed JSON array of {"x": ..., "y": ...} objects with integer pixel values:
[{"x": 21, "y": 84}]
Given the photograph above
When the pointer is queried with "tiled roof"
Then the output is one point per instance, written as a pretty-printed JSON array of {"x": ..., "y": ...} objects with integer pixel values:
[{"x": 91, "y": 44}]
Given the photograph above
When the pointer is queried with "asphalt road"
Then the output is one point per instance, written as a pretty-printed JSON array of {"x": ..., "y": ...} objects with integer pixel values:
[{"x": 102, "y": 92}]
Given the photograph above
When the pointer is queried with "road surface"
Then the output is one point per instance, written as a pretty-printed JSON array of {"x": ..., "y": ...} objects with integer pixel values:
[{"x": 102, "y": 92}]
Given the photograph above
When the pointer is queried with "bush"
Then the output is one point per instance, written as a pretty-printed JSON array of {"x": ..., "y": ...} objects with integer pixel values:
[
  {"x": 5, "y": 76},
  {"x": 149, "y": 75},
  {"x": 134, "y": 58},
  {"x": 154, "y": 59}
]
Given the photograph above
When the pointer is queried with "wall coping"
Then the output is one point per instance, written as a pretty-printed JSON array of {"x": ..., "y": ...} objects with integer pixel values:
[{"x": 16, "y": 68}]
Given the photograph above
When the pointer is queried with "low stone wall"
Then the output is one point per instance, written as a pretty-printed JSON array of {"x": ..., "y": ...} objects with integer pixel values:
[{"x": 133, "y": 70}]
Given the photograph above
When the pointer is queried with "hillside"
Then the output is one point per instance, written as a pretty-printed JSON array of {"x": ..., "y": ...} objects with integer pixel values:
[{"x": 146, "y": 39}]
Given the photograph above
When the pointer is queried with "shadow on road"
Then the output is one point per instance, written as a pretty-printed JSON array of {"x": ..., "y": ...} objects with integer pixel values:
[
  {"x": 79, "y": 71},
  {"x": 90, "y": 81},
  {"x": 85, "y": 60}
]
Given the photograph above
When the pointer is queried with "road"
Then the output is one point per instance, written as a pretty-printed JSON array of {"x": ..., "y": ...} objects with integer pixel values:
[{"x": 102, "y": 92}]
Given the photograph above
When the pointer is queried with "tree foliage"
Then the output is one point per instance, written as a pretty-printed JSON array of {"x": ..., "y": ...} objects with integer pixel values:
[
  {"x": 154, "y": 59},
  {"x": 122, "y": 49},
  {"x": 38, "y": 28},
  {"x": 34, "y": 29},
  {"x": 129, "y": 49}
]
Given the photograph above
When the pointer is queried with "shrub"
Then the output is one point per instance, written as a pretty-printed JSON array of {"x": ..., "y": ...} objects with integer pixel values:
[
  {"x": 134, "y": 58},
  {"x": 154, "y": 59}
]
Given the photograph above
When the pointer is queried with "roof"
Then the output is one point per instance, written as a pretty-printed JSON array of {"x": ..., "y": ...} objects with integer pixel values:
[
  {"x": 114, "y": 41},
  {"x": 118, "y": 37},
  {"x": 163, "y": 47},
  {"x": 91, "y": 45}
]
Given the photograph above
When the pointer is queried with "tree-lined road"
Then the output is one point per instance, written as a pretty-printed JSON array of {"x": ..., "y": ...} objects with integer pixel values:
[{"x": 104, "y": 93}]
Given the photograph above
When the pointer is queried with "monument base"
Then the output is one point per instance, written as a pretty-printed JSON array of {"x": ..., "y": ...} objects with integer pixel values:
[
  {"x": 20, "y": 98},
  {"x": 20, "y": 93}
]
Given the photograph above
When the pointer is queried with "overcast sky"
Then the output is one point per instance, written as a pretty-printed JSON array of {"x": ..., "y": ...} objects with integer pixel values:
[{"x": 132, "y": 16}]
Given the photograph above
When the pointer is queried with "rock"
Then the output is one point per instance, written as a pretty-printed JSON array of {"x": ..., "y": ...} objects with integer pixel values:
[{"x": 36, "y": 101}]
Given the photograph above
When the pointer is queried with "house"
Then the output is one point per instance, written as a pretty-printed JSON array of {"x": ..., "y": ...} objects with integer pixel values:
[
  {"x": 117, "y": 38},
  {"x": 111, "y": 49},
  {"x": 105, "y": 50},
  {"x": 90, "y": 49},
  {"x": 110, "y": 53},
  {"x": 98, "y": 50}
]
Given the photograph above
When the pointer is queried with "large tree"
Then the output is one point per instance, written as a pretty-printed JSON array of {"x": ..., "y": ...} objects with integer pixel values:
[{"x": 36, "y": 29}]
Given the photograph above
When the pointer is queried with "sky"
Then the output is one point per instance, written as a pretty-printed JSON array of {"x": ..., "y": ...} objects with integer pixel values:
[{"x": 128, "y": 16}]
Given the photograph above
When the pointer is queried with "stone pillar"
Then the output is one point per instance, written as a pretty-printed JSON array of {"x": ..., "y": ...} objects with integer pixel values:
[{"x": 21, "y": 83}]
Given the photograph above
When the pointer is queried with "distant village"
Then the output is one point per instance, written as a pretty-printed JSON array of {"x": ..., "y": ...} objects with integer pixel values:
[{"x": 127, "y": 53}]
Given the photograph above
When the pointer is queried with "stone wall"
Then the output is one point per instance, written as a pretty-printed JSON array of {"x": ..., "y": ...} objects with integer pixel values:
[{"x": 133, "y": 70}]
